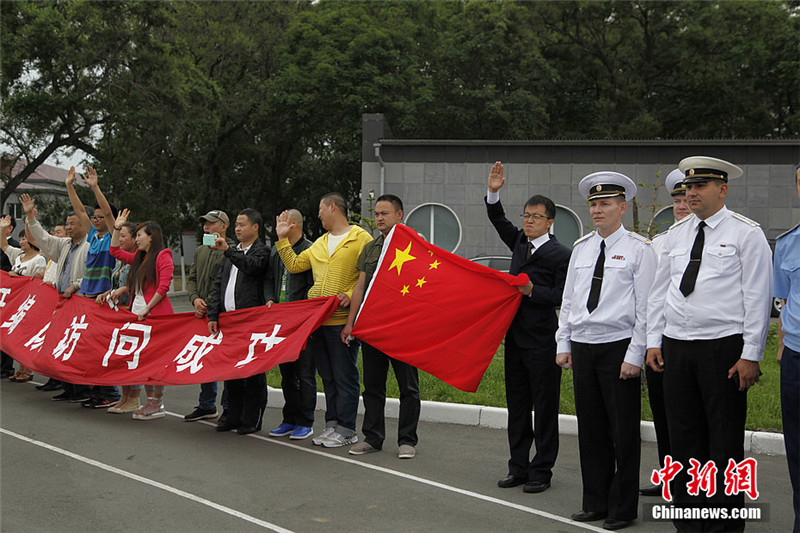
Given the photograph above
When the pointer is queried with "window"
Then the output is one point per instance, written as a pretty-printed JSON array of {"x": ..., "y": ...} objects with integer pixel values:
[
  {"x": 15, "y": 210},
  {"x": 663, "y": 220},
  {"x": 438, "y": 224},
  {"x": 567, "y": 226}
]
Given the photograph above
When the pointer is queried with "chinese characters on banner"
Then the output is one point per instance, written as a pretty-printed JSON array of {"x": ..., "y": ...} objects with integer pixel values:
[{"x": 78, "y": 341}]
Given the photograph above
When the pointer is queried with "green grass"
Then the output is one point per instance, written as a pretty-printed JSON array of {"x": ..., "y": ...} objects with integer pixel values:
[{"x": 763, "y": 410}]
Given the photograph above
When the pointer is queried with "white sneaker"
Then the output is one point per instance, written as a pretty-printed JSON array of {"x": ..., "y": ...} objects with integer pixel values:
[
  {"x": 322, "y": 436},
  {"x": 337, "y": 440}
]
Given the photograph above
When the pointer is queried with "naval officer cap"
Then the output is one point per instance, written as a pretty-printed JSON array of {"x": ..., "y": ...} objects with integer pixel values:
[
  {"x": 700, "y": 168},
  {"x": 606, "y": 184},
  {"x": 674, "y": 182}
]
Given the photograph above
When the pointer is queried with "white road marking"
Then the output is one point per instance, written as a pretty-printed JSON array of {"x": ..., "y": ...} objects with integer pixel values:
[
  {"x": 410, "y": 477},
  {"x": 146, "y": 481}
]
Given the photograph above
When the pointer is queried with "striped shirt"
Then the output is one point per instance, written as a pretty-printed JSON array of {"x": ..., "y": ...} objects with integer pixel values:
[{"x": 99, "y": 264}]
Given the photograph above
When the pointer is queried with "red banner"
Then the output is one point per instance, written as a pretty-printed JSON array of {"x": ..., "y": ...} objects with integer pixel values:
[
  {"x": 78, "y": 341},
  {"x": 437, "y": 311}
]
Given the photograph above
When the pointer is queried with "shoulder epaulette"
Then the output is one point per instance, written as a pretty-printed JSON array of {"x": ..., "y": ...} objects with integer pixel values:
[
  {"x": 583, "y": 238},
  {"x": 639, "y": 237},
  {"x": 745, "y": 219},
  {"x": 674, "y": 225},
  {"x": 787, "y": 232},
  {"x": 681, "y": 221}
]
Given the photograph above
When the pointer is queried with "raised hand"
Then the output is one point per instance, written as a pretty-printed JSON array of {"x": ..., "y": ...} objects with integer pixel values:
[
  {"x": 496, "y": 179},
  {"x": 28, "y": 205},
  {"x": 122, "y": 218},
  {"x": 70, "y": 177},
  {"x": 90, "y": 177},
  {"x": 5, "y": 221},
  {"x": 283, "y": 224}
]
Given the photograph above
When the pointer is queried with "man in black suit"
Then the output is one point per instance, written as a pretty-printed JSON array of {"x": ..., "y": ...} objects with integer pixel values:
[
  {"x": 241, "y": 285},
  {"x": 533, "y": 379}
]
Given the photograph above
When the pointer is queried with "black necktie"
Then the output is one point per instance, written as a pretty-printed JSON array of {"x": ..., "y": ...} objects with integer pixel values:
[
  {"x": 690, "y": 274},
  {"x": 530, "y": 250},
  {"x": 597, "y": 279}
]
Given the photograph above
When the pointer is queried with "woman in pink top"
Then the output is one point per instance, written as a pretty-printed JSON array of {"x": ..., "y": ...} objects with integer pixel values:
[{"x": 148, "y": 283}]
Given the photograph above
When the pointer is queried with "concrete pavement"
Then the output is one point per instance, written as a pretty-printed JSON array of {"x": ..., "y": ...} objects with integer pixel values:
[{"x": 66, "y": 468}]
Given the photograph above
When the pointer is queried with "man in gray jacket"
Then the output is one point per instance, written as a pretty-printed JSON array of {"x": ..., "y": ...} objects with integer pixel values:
[{"x": 69, "y": 253}]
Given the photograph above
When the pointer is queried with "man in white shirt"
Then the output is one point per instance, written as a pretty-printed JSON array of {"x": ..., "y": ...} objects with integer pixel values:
[
  {"x": 707, "y": 327},
  {"x": 601, "y": 336},
  {"x": 655, "y": 382}
]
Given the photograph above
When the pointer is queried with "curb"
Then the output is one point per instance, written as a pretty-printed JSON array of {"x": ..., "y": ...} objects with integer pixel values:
[{"x": 757, "y": 442}]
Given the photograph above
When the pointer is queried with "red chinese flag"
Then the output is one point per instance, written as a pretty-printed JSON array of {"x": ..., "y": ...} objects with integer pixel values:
[{"x": 435, "y": 310}]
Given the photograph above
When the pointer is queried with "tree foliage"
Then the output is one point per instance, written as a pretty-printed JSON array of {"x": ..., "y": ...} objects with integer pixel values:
[
  {"x": 59, "y": 61},
  {"x": 190, "y": 106}
]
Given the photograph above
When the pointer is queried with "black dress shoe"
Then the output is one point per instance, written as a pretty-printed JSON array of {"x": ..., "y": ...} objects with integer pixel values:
[
  {"x": 245, "y": 430},
  {"x": 588, "y": 516},
  {"x": 63, "y": 397},
  {"x": 52, "y": 385},
  {"x": 652, "y": 490},
  {"x": 6, "y": 374},
  {"x": 532, "y": 487},
  {"x": 614, "y": 524},
  {"x": 511, "y": 481},
  {"x": 226, "y": 427}
]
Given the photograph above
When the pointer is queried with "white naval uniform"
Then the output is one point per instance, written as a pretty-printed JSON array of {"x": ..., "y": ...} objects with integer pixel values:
[
  {"x": 724, "y": 319},
  {"x": 733, "y": 287},
  {"x": 608, "y": 408},
  {"x": 629, "y": 268}
]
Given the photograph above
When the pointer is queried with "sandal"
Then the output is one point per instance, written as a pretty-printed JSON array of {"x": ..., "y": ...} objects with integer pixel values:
[{"x": 154, "y": 408}]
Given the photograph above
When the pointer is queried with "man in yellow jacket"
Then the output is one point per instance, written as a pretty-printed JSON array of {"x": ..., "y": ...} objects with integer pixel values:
[{"x": 332, "y": 260}]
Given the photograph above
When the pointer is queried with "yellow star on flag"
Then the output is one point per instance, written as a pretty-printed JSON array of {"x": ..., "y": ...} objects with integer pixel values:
[
  {"x": 404, "y": 290},
  {"x": 422, "y": 281},
  {"x": 400, "y": 257},
  {"x": 435, "y": 265}
]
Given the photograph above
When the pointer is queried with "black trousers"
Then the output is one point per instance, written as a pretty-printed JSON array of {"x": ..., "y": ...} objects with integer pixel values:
[
  {"x": 74, "y": 390},
  {"x": 6, "y": 362},
  {"x": 533, "y": 382},
  {"x": 247, "y": 399},
  {"x": 376, "y": 369},
  {"x": 655, "y": 392},
  {"x": 609, "y": 413},
  {"x": 299, "y": 385},
  {"x": 706, "y": 414}
]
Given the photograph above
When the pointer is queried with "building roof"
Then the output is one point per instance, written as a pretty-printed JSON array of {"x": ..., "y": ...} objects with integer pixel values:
[{"x": 44, "y": 178}]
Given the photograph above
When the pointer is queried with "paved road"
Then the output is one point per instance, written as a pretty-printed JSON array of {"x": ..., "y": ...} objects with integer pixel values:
[{"x": 65, "y": 468}]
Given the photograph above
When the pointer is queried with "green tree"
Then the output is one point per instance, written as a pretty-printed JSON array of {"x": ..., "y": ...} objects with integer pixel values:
[{"x": 59, "y": 59}]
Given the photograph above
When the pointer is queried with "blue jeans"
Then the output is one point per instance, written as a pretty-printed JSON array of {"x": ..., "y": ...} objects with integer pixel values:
[
  {"x": 208, "y": 396},
  {"x": 336, "y": 364},
  {"x": 105, "y": 392},
  {"x": 299, "y": 384}
]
